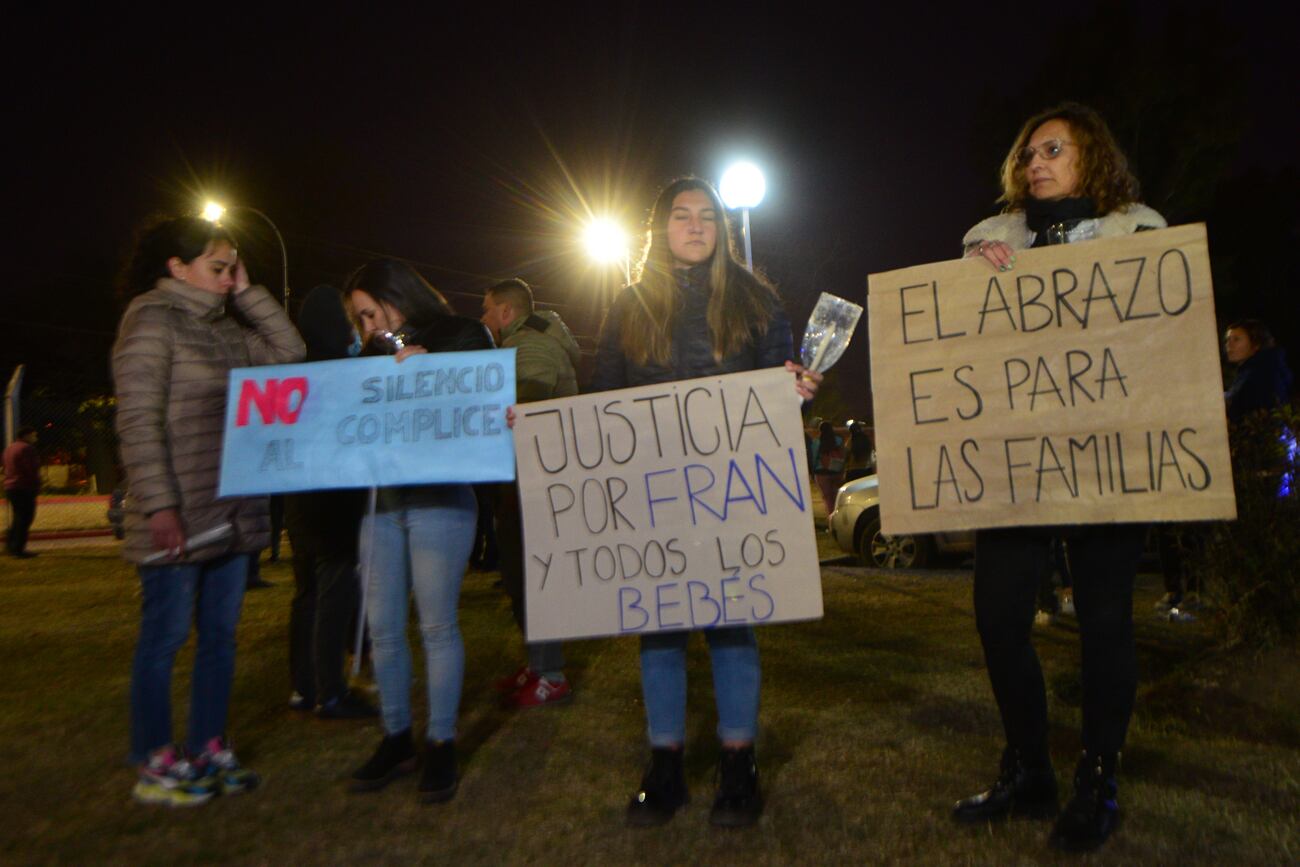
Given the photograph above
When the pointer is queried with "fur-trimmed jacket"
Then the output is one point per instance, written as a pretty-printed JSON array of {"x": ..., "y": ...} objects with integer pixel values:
[
  {"x": 175, "y": 348},
  {"x": 1012, "y": 229}
]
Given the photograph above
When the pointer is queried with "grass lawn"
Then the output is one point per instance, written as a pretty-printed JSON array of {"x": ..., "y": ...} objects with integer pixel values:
[{"x": 874, "y": 720}]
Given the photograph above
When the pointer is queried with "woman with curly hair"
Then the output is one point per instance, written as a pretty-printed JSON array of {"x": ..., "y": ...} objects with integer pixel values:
[{"x": 1064, "y": 180}]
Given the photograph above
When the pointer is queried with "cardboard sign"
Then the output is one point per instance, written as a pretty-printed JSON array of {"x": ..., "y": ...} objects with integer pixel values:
[
  {"x": 1081, "y": 387},
  {"x": 667, "y": 507},
  {"x": 363, "y": 422}
]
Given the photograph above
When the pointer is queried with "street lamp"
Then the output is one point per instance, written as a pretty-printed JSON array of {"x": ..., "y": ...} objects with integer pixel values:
[
  {"x": 214, "y": 211},
  {"x": 743, "y": 186},
  {"x": 607, "y": 242}
]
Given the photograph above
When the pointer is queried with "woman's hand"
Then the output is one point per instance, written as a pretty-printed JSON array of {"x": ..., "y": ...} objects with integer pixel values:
[
  {"x": 410, "y": 349},
  {"x": 806, "y": 382},
  {"x": 166, "y": 532},
  {"x": 510, "y": 417},
  {"x": 241, "y": 276},
  {"x": 998, "y": 254}
]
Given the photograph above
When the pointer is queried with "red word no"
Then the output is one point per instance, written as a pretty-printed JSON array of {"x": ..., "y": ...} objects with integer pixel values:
[{"x": 274, "y": 400}]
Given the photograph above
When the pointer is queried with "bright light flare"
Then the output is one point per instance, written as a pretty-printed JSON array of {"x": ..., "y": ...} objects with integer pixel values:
[
  {"x": 605, "y": 241},
  {"x": 743, "y": 186},
  {"x": 212, "y": 212}
]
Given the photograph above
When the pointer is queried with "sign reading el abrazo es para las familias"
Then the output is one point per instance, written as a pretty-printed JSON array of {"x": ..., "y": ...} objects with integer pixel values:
[
  {"x": 1083, "y": 386},
  {"x": 667, "y": 507}
]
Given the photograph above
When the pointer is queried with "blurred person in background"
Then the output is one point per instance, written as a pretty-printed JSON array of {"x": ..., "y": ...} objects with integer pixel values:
[{"x": 22, "y": 483}]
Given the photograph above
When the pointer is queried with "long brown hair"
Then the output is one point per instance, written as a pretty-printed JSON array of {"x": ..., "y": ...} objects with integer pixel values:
[
  {"x": 1104, "y": 175},
  {"x": 740, "y": 303}
]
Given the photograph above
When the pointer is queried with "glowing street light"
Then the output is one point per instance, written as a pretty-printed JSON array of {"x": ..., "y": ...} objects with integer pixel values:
[
  {"x": 607, "y": 242},
  {"x": 743, "y": 186},
  {"x": 214, "y": 211}
]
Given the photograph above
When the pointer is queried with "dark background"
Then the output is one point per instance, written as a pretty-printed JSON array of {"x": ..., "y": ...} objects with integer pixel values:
[{"x": 475, "y": 145}]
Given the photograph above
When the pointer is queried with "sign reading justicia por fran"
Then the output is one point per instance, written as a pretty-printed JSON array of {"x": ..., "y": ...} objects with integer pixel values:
[{"x": 667, "y": 507}]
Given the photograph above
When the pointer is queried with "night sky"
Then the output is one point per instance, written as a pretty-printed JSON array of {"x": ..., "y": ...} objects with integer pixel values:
[{"x": 475, "y": 145}]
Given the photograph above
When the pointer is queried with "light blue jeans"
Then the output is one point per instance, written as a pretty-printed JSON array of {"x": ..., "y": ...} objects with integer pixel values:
[
  {"x": 736, "y": 676},
  {"x": 421, "y": 551}
]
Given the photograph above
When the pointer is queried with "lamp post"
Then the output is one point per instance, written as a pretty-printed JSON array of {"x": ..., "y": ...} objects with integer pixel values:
[
  {"x": 212, "y": 211},
  {"x": 743, "y": 186},
  {"x": 607, "y": 242}
]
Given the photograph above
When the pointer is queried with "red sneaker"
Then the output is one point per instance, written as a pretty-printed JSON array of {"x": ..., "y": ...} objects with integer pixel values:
[
  {"x": 516, "y": 681},
  {"x": 541, "y": 692}
]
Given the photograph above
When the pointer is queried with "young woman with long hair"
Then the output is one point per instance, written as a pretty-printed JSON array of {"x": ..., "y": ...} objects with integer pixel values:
[
  {"x": 696, "y": 312},
  {"x": 417, "y": 543}
]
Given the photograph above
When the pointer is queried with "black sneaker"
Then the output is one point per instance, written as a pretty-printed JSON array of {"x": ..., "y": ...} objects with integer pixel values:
[
  {"x": 1020, "y": 790},
  {"x": 438, "y": 779},
  {"x": 394, "y": 757},
  {"x": 662, "y": 792},
  {"x": 1093, "y": 813},
  {"x": 738, "y": 803},
  {"x": 349, "y": 705}
]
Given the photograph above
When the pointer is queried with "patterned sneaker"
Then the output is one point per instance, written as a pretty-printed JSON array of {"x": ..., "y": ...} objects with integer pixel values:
[
  {"x": 169, "y": 779},
  {"x": 540, "y": 693},
  {"x": 218, "y": 763}
]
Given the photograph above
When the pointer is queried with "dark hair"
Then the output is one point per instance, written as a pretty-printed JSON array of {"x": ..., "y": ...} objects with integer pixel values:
[
  {"x": 741, "y": 304},
  {"x": 24, "y": 431},
  {"x": 1104, "y": 175},
  {"x": 516, "y": 293},
  {"x": 1257, "y": 331},
  {"x": 393, "y": 282},
  {"x": 827, "y": 439},
  {"x": 184, "y": 238},
  {"x": 859, "y": 441}
]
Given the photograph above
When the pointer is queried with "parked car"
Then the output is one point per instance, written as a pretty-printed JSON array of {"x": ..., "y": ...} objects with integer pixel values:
[{"x": 855, "y": 524}]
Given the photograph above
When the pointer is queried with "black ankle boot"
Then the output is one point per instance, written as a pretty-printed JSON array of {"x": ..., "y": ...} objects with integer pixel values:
[
  {"x": 663, "y": 790},
  {"x": 1021, "y": 789},
  {"x": 1093, "y": 813},
  {"x": 438, "y": 779},
  {"x": 738, "y": 803},
  {"x": 395, "y": 756}
]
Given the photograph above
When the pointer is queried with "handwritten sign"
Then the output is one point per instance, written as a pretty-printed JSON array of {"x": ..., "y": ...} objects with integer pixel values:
[
  {"x": 667, "y": 507},
  {"x": 1081, "y": 387},
  {"x": 366, "y": 422}
]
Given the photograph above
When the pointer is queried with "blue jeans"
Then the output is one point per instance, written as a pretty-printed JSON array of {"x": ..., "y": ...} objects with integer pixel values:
[
  {"x": 421, "y": 550},
  {"x": 736, "y": 676},
  {"x": 209, "y": 593}
]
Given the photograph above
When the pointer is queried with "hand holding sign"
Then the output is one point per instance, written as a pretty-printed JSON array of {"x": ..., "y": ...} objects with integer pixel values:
[{"x": 667, "y": 507}]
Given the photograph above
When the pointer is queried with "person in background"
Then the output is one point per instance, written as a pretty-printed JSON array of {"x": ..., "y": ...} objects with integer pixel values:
[
  {"x": 828, "y": 467},
  {"x": 1064, "y": 179},
  {"x": 323, "y": 527},
  {"x": 22, "y": 483},
  {"x": 696, "y": 311},
  {"x": 545, "y": 359},
  {"x": 861, "y": 457},
  {"x": 1263, "y": 381},
  {"x": 193, "y": 316},
  {"x": 416, "y": 543}
]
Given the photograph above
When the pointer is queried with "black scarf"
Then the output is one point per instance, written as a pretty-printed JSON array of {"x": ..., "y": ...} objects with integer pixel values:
[{"x": 1041, "y": 215}]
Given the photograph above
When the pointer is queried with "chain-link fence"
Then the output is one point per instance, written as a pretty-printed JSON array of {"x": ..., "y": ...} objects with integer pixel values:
[{"x": 77, "y": 448}]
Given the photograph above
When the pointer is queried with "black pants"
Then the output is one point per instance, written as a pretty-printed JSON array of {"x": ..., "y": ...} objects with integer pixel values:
[
  {"x": 22, "y": 511},
  {"x": 1009, "y": 564},
  {"x": 320, "y": 620}
]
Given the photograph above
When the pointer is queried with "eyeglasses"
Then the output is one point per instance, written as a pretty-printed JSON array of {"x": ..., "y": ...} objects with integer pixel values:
[{"x": 1048, "y": 150}]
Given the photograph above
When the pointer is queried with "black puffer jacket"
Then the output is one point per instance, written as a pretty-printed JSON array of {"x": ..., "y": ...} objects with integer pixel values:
[
  {"x": 692, "y": 352},
  {"x": 441, "y": 334}
]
